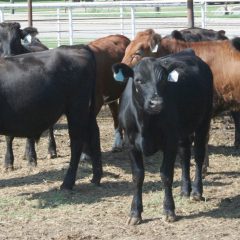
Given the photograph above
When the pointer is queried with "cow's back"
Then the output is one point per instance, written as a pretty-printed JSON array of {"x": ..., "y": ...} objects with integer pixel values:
[{"x": 47, "y": 81}]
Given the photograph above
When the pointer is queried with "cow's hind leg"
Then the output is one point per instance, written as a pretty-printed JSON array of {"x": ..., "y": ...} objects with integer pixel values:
[
  {"x": 185, "y": 156},
  {"x": 138, "y": 178},
  {"x": 82, "y": 130},
  {"x": 200, "y": 142},
  {"x": 52, "y": 152},
  {"x": 118, "y": 138},
  {"x": 9, "y": 157},
  {"x": 236, "y": 119},
  {"x": 95, "y": 150}
]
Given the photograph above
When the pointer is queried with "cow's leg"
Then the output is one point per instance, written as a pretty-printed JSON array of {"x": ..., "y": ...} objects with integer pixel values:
[
  {"x": 9, "y": 157},
  {"x": 138, "y": 178},
  {"x": 30, "y": 152},
  {"x": 95, "y": 151},
  {"x": 184, "y": 152},
  {"x": 77, "y": 133},
  {"x": 85, "y": 156},
  {"x": 236, "y": 119},
  {"x": 82, "y": 130},
  {"x": 118, "y": 137},
  {"x": 52, "y": 152},
  {"x": 200, "y": 141},
  {"x": 166, "y": 173}
]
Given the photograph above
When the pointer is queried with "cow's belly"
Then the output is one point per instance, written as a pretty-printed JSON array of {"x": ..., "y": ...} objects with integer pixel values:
[{"x": 28, "y": 118}]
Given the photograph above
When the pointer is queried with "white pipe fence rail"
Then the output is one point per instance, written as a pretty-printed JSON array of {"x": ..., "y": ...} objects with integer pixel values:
[{"x": 75, "y": 22}]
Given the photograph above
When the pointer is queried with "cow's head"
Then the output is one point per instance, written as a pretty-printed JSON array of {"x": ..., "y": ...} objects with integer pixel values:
[
  {"x": 148, "y": 80},
  {"x": 145, "y": 44},
  {"x": 10, "y": 39}
]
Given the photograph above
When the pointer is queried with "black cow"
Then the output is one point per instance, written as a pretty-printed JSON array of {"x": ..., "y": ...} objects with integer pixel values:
[
  {"x": 198, "y": 34},
  {"x": 11, "y": 35},
  {"x": 37, "y": 88},
  {"x": 165, "y": 101}
]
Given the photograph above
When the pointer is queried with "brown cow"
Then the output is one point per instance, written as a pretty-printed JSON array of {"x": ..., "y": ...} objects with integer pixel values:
[{"x": 109, "y": 50}]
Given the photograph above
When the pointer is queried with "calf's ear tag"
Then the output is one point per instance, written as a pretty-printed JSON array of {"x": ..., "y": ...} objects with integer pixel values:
[
  {"x": 173, "y": 76},
  {"x": 118, "y": 76},
  {"x": 28, "y": 38},
  {"x": 155, "y": 48}
]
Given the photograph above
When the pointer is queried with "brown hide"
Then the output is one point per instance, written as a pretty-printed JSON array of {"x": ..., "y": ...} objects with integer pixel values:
[
  {"x": 108, "y": 50},
  {"x": 221, "y": 56}
]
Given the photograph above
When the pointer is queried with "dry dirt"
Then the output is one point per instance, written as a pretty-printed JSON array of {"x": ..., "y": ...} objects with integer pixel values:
[{"x": 33, "y": 207}]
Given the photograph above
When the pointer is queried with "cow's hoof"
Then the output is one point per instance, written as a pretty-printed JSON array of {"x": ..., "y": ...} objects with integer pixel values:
[
  {"x": 170, "y": 217},
  {"x": 185, "y": 194},
  {"x": 32, "y": 164},
  {"x": 197, "y": 197},
  {"x": 96, "y": 181},
  {"x": 134, "y": 220},
  {"x": 52, "y": 155},
  {"x": 8, "y": 168},
  {"x": 65, "y": 186},
  {"x": 116, "y": 149},
  {"x": 85, "y": 157}
]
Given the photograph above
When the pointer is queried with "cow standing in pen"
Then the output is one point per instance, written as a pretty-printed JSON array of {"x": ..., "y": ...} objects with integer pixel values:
[
  {"x": 166, "y": 100},
  {"x": 11, "y": 35},
  {"x": 36, "y": 89}
]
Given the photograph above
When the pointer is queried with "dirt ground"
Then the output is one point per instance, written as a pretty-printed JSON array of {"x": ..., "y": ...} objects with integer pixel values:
[{"x": 33, "y": 207}]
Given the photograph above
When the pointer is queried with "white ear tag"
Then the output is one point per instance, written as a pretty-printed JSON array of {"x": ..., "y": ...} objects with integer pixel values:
[
  {"x": 155, "y": 49},
  {"x": 173, "y": 76},
  {"x": 28, "y": 38},
  {"x": 118, "y": 76}
]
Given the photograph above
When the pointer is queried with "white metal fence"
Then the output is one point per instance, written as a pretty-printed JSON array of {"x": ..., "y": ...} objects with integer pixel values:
[{"x": 68, "y": 23}]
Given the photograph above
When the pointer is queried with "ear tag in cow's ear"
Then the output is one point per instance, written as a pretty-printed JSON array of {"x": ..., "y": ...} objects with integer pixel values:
[
  {"x": 155, "y": 49},
  {"x": 28, "y": 38},
  {"x": 118, "y": 76},
  {"x": 173, "y": 76}
]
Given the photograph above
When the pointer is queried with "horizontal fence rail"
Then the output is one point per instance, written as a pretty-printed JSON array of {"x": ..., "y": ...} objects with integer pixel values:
[{"x": 81, "y": 22}]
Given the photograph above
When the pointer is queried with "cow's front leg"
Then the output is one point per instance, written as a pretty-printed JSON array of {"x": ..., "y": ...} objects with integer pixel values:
[
  {"x": 9, "y": 157},
  {"x": 138, "y": 178},
  {"x": 166, "y": 173},
  {"x": 30, "y": 152}
]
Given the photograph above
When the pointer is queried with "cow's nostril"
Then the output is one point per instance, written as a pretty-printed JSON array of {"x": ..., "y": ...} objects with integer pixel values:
[{"x": 154, "y": 103}]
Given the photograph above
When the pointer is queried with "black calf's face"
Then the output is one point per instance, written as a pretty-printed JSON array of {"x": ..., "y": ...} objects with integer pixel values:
[
  {"x": 148, "y": 82},
  {"x": 10, "y": 38}
]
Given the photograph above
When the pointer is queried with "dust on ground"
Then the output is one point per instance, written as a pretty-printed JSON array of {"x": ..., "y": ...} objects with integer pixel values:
[{"x": 33, "y": 207}]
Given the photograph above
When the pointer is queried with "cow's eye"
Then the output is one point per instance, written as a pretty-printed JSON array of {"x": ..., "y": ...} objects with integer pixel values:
[
  {"x": 139, "y": 81},
  {"x": 139, "y": 52}
]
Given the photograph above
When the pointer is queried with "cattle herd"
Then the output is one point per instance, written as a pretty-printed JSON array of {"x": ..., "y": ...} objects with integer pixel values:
[{"x": 168, "y": 87}]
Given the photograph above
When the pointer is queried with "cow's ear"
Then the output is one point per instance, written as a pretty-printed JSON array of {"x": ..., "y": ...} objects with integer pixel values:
[
  {"x": 154, "y": 43},
  {"x": 221, "y": 34},
  {"x": 16, "y": 25},
  {"x": 177, "y": 35},
  {"x": 121, "y": 72}
]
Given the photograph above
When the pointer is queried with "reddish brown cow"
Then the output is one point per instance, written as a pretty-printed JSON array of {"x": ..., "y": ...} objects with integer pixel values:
[
  {"x": 221, "y": 56},
  {"x": 109, "y": 50}
]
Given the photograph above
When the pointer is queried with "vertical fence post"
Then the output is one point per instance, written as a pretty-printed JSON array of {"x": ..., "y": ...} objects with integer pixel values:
[
  {"x": 133, "y": 22},
  {"x": 121, "y": 18},
  {"x": 1, "y": 15},
  {"x": 203, "y": 13},
  {"x": 70, "y": 25},
  {"x": 58, "y": 28}
]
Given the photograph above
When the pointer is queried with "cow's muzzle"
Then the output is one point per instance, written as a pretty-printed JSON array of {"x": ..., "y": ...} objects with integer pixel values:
[{"x": 155, "y": 105}]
